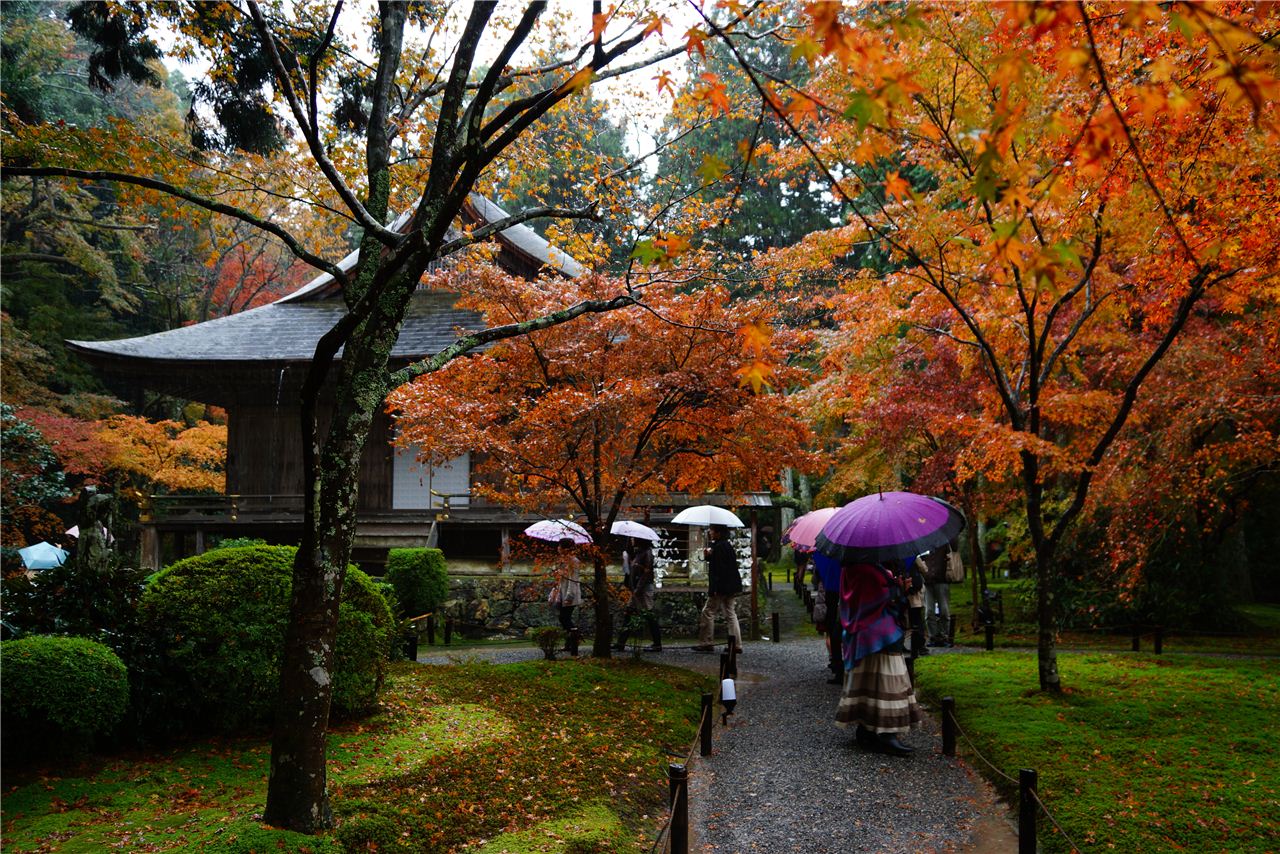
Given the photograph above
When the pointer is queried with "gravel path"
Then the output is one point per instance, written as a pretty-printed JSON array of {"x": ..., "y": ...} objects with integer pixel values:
[{"x": 783, "y": 777}]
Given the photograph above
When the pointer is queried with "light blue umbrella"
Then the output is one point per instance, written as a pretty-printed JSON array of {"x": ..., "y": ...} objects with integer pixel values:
[{"x": 42, "y": 556}]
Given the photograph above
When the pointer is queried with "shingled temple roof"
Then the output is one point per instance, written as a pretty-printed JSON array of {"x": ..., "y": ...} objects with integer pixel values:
[{"x": 286, "y": 331}]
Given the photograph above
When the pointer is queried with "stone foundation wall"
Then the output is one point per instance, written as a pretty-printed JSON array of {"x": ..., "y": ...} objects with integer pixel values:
[{"x": 504, "y": 605}]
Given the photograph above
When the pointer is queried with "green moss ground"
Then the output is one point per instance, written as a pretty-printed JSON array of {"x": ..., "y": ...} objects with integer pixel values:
[
  {"x": 459, "y": 757},
  {"x": 1139, "y": 754}
]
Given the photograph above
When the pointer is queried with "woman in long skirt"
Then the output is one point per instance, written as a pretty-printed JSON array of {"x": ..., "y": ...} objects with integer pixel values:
[{"x": 877, "y": 697}]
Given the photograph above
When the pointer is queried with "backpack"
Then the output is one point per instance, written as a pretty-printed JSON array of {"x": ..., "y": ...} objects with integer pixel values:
[{"x": 955, "y": 568}]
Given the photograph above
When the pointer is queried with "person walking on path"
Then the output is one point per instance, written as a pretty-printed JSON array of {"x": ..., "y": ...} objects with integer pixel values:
[
  {"x": 723, "y": 586},
  {"x": 643, "y": 589},
  {"x": 567, "y": 594},
  {"x": 937, "y": 592},
  {"x": 877, "y": 697}
]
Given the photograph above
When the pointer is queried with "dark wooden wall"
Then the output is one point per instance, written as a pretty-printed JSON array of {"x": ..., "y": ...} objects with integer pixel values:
[{"x": 264, "y": 454}]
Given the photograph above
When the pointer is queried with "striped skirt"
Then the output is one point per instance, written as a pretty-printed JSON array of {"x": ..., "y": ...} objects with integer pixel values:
[{"x": 878, "y": 695}]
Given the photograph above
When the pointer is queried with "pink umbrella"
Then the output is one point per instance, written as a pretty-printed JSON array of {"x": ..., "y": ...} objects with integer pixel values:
[
  {"x": 555, "y": 530},
  {"x": 803, "y": 533}
]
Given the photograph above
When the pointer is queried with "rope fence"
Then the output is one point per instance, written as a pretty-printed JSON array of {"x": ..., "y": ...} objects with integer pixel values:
[{"x": 1027, "y": 783}]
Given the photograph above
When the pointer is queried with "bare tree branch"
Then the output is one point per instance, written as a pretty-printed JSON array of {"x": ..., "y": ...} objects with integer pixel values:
[
  {"x": 195, "y": 199},
  {"x": 311, "y": 134}
]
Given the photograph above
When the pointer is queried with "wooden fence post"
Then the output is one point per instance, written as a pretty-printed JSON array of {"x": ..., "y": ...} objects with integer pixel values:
[
  {"x": 708, "y": 712},
  {"x": 1026, "y": 811},
  {"x": 431, "y": 629},
  {"x": 777, "y": 628},
  {"x": 678, "y": 779},
  {"x": 448, "y": 630},
  {"x": 948, "y": 726}
]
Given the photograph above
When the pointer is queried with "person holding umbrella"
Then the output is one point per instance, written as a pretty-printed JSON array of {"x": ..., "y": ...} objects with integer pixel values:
[
  {"x": 723, "y": 586},
  {"x": 643, "y": 589},
  {"x": 877, "y": 698},
  {"x": 871, "y": 537},
  {"x": 567, "y": 594}
]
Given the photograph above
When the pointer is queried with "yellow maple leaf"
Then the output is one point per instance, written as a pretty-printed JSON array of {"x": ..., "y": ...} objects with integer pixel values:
[
  {"x": 756, "y": 376},
  {"x": 580, "y": 80},
  {"x": 755, "y": 338}
]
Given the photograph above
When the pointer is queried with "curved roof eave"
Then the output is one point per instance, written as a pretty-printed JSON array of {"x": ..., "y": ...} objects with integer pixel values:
[{"x": 520, "y": 238}]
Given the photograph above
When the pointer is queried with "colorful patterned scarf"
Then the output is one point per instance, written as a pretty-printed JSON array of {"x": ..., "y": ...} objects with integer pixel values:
[{"x": 868, "y": 611}]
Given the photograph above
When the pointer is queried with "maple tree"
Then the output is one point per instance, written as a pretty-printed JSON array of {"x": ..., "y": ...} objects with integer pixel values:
[
  {"x": 636, "y": 402},
  {"x": 164, "y": 455},
  {"x": 417, "y": 129},
  {"x": 1098, "y": 176}
]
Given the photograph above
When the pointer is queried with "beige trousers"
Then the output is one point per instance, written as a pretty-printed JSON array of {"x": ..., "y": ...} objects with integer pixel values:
[{"x": 724, "y": 605}]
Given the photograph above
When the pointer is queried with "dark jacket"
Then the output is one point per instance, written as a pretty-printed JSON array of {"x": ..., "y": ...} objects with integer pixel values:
[
  {"x": 935, "y": 565},
  {"x": 722, "y": 570}
]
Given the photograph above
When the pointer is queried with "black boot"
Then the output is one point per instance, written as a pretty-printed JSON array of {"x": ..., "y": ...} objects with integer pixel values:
[
  {"x": 655, "y": 633},
  {"x": 888, "y": 743},
  {"x": 864, "y": 737}
]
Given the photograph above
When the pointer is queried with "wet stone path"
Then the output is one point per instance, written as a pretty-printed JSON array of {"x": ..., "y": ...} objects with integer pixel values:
[{"x": 783, "y": 777}]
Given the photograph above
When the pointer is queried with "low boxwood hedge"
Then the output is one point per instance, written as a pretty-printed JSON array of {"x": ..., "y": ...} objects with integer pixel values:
[
  {"x": 420, "y": 579},
  {"x": 215, "y": 626},
  {"x": 60, "y": 692}
]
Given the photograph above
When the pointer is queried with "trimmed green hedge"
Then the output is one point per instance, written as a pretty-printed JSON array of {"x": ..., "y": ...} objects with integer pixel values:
[
  {"x": 61, "y": 691},
  {"x": 215, "y": 624},
  {"x": 420, "y": 579}
]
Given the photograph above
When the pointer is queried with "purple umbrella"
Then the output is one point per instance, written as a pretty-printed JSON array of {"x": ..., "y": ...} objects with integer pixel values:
[{"x": 889, "y": 525}]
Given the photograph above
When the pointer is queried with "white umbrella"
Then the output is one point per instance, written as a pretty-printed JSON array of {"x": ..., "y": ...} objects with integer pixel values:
[
  {"x": 555, "y": 530},
  {"x": 705, "y": 514},
  {"x": 42, "y": 555},
  {"x": 74, "y": 531},
  {"x": 627, "y": 528}
]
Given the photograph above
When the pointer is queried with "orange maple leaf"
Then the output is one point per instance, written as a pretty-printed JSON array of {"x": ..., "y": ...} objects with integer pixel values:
[
  {"x": 755, "y": 338},
  {"x": 694, "y": 39},
  {"x": 665, "y": 82},
  {"x": 896, "y": 185},
  {"x": 756, "y": 375},
  {"x": 714, "y": 92},
  {"x": 653, "y": 24}
]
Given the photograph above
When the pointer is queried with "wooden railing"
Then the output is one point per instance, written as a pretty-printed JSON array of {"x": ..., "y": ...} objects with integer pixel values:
[
  {"x": 222, "y": 508},
  {"x": 274, "y": 508}
]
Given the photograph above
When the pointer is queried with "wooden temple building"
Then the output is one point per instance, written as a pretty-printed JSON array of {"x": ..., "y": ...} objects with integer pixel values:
[{"x": 253, "y": 364}]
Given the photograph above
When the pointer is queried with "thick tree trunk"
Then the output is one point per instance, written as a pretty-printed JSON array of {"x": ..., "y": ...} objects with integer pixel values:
[
  {"x": 297, "y": 794},
  {"x": 1046, "y": 613},
  {"x": 600, "y": 646}
]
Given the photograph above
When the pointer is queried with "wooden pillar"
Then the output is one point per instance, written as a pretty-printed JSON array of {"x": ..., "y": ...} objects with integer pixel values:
[
  {"x": 151, "y": 548},
  {"x": 199, "y": 541},
  {"x": 506, "y": 547}
]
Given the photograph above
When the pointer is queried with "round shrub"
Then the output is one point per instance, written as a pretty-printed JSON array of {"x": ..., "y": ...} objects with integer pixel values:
[
  {"x": 215, "y": 624},
  {"x": 61, "y": 691},
  {"x": 420, "y": 579}
]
